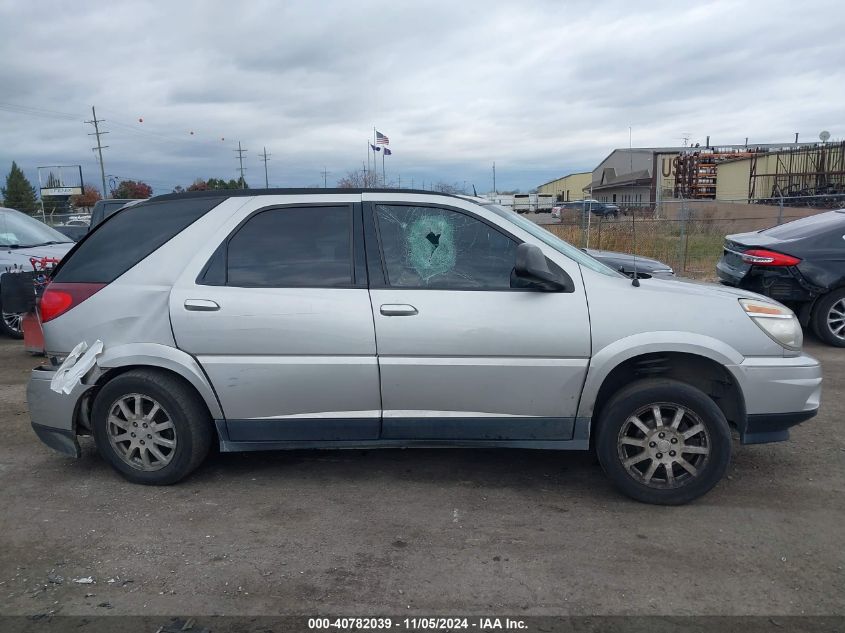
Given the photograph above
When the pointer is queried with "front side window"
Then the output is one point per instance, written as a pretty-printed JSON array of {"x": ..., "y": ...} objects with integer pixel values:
[
  {"x": 292, "y": 247},
  {"x": 552, "y": 240},
  {"x": 429, "y": 247}
]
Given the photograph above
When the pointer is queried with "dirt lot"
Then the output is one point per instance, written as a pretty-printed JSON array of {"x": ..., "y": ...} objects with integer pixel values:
[{"x": 418, "y": 531}]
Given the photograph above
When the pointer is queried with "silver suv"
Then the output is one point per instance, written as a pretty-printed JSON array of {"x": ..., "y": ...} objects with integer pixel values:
[{"x": 289, "y": 319}]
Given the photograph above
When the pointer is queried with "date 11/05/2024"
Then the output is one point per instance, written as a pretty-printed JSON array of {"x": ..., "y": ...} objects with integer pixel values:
[{"x": 418, "y": 623}]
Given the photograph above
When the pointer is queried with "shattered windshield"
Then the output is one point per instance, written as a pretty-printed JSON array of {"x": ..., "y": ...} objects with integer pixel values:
[
  {"x": 552, "y": 240},
  {"x": 429, "y": 247}
]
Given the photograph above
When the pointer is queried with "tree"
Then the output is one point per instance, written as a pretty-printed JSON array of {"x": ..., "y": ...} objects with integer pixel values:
[
  {"x": 359, "y": 180},
  {"x": 19, "y": 193},
  {"x": 54, "y": 204},
  {"x": 132, "y": 189},
  {"x": 445, "y": 187},
  {"x": 87, "y": 199},
  {"x": 217, "y": 183}
]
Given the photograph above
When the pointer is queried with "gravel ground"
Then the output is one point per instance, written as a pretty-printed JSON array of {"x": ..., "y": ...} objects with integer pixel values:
[{"x": 418, "y": 531}]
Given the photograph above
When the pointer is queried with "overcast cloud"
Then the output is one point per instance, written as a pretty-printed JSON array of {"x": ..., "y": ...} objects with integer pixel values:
[{"x": 541, "y": 88}]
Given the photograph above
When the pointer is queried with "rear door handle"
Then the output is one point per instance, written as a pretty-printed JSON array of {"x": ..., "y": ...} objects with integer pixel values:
[
  {"x": 201, "y": 305},
  {"x": 398, "y": 309}
]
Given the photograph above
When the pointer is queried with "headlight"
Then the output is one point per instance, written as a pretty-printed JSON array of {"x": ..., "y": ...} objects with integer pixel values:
[{"x": 778, "y": 322}]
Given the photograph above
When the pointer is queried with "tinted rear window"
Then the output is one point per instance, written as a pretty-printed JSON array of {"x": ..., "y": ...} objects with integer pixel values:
[
  {"x": 813, "y": 225},
  {"x": 128, "y": 237},
  {"x": 292, "y": 247}
]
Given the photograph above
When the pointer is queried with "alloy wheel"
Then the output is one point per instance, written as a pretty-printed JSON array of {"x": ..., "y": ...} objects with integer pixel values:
[
  {"x": 836, "y": 319},
  {"x": 13, "y": 321},
  {"x": 663, "y": 445},
  {"x": 141, "y": 432}
]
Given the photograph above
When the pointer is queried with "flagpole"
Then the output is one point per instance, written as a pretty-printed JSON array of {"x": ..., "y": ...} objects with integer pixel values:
[{"x": 383, "y": 178}]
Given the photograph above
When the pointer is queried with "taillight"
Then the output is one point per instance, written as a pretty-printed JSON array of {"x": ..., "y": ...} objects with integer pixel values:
[
  {"x": 762, "y": 257},
  {"x": 58, "y": 298}
]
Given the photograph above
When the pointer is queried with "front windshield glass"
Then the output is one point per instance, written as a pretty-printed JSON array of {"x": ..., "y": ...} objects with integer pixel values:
[
  {"x": 552, "y": 240},
  {"x": 19, "y": 230}
]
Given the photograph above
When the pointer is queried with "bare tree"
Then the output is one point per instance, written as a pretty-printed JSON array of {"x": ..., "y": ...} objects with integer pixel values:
[
  {"x": 359, "y": 179},
  {"x": 445, "y": 187}
]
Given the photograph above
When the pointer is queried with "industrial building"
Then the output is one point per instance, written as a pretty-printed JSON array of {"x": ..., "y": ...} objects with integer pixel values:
[
  {"x": 565, "y": 188},
  {"x": 792, "y": 176},
  {"x": 644, "y": 176}
]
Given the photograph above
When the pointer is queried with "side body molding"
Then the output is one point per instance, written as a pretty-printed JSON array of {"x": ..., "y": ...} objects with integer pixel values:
[
  {"x": 611, "y": 356},
  {"x": 166, "y": 357}
]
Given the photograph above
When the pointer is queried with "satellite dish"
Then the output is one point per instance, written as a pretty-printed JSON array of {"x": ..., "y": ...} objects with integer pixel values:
[{"x": 824, "y": 135}]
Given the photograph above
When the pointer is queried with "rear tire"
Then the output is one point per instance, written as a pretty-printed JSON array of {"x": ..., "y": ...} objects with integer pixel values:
[
  {"x": 829, "y": 318},
  {"x": 671, "y": 462},
  {"x": 151, "y": 427}
]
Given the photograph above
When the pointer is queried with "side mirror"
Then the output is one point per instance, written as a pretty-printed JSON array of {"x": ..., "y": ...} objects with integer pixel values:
[{"x": 532, "y": 271}]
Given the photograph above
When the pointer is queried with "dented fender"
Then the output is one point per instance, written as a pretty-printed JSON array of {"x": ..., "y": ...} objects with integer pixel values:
[{"x": 164, "y": 357}]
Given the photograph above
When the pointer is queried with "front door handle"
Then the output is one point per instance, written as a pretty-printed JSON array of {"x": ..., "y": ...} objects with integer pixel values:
[
  {"x": 201, "y": 305},
  {"x": 398, "y": 309}
]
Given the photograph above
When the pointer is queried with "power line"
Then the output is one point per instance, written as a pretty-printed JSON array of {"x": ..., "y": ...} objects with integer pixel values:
[
  {"x": 96, "y": 123},
  {"x": 265, "y": 157},
  {"x": 240, "y": 152},
  {"x": 37, "y": 112}
]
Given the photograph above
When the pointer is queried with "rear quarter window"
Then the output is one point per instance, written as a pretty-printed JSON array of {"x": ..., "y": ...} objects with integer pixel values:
[{"x": 128, "y": 237}]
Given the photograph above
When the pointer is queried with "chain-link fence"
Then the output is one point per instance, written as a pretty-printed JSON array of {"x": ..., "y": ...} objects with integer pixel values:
[{"x": 688, "y": 235}]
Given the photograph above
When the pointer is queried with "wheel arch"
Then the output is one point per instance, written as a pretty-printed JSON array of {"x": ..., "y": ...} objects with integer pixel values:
[
  {"x": 704, "y": 364},
  {"x": 120, "y": 359}
]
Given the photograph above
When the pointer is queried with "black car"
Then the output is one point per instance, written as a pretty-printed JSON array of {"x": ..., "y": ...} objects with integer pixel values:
[
  {"x": 106, "y": 208},
  {"x": 626, "y": 263},
  {"x": 800, "y": 263},
  {"x": 74, "y": 231}
]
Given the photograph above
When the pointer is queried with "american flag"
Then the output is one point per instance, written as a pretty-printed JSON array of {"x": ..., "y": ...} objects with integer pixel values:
[{"x": 381, "y": 139}]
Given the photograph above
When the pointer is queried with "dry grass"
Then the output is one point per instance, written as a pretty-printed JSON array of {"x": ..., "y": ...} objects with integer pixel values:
[{"x": 692, "y": 249}]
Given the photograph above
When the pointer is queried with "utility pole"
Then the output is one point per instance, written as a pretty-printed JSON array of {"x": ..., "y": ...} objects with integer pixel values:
[
  {"x": 240, "y": 152},
  {"x": 325, "y": 177},
  {"x": 494, "y": 177},
  {"x": 265, "y": 157},
  {"x": 96, "y": 123}
]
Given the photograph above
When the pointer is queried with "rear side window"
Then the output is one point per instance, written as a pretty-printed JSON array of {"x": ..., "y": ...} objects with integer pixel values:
[
  {"x": 128, "y": 237},
  {"x": 291, "y": 247}
]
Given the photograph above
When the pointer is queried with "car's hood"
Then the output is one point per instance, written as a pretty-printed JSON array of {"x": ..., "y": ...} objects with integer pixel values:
[
  {"x": 20, "y": 256},
  {"x": 681, "y": 286}
]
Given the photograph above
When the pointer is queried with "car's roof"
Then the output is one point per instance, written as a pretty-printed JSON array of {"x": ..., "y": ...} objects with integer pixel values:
[{"x": 233, "y": 193}]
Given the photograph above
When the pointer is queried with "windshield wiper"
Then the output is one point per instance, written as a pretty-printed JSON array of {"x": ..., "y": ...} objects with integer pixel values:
[{"x": 42, "y": 244}]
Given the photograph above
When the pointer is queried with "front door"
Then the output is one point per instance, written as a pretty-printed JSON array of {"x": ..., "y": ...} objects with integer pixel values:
[
  {"x": 280, "y": 320},
  {"x": 462, "y": 355}
]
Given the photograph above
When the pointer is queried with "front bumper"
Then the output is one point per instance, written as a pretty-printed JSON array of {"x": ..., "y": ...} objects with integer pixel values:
[
  {"x": 779, "y": 393},
  {"x": 53, "y": 414}
]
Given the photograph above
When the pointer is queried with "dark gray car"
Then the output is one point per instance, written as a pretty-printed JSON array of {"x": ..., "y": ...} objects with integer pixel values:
[{"x": 627, "y": 263}]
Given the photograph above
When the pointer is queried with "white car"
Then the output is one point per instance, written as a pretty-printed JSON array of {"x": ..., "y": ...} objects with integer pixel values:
[{"x": 23, "y": 237}]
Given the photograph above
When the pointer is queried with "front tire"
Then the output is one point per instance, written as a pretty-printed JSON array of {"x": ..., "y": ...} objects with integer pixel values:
[
  {"x": 663, "y": 441},
  {"x": 151, "y": 427},
  {"x": 829, "y": 318}
]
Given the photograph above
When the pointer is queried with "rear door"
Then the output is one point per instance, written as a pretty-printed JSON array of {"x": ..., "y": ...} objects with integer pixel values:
[
  {"x": 463, "y": 355},
  {"x": 279, "y": 317}
]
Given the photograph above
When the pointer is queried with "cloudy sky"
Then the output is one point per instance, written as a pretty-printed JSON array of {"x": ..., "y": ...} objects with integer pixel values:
[{"x": 541, "y": 88}]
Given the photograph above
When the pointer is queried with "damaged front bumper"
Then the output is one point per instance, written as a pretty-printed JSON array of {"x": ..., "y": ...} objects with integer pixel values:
[{"x": 54, "y": 415}]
